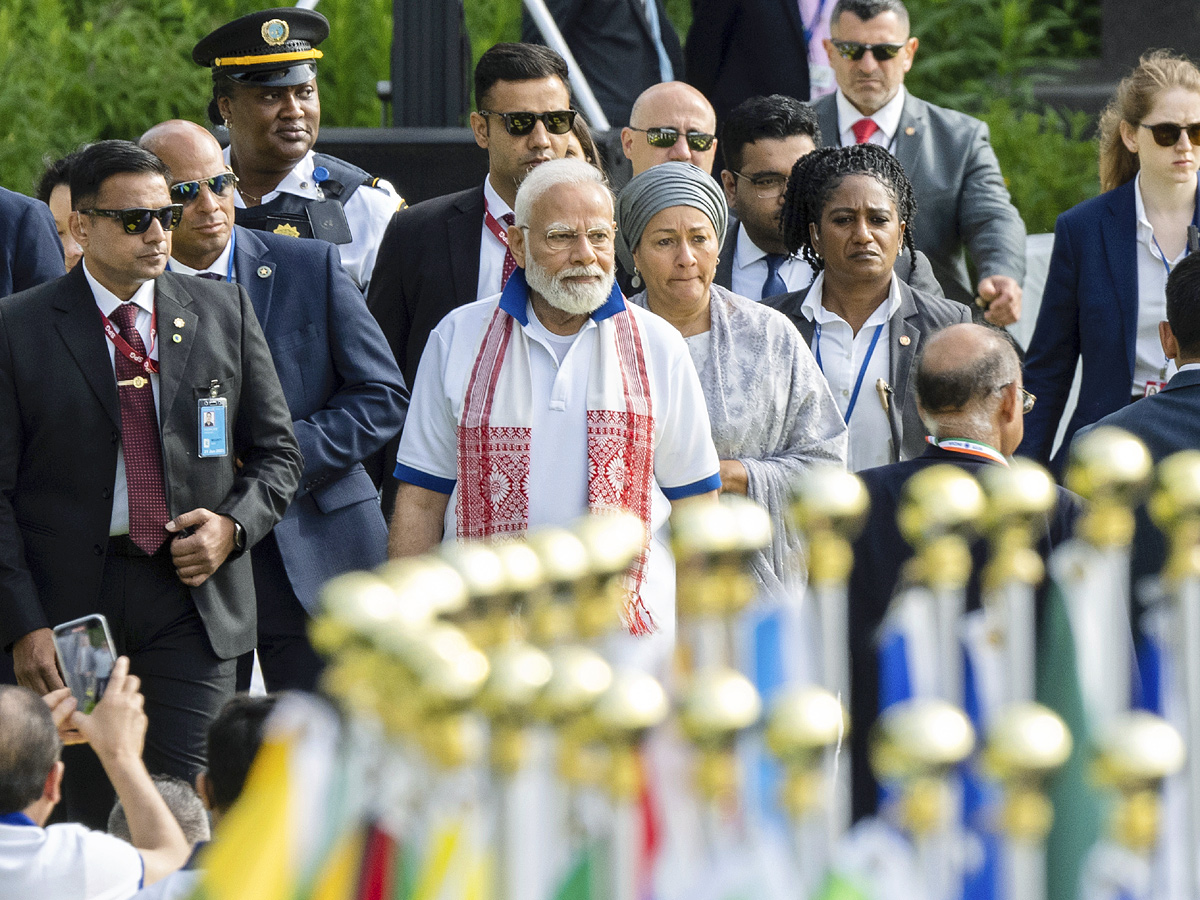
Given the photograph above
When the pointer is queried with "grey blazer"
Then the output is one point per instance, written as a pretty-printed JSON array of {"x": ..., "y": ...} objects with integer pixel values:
[
  {"x": 919, "y": 316},
  {"x": 961, "y": 198},
  {"x": 913, "y": 269}
]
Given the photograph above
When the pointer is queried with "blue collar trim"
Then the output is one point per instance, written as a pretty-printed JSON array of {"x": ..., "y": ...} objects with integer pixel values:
[
  {"x": 514, "y": 299},
  {"x": 17, "y": 818}
]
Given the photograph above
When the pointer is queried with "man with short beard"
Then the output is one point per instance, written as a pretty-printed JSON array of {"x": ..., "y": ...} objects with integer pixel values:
[{"x": 555, "y": 398}]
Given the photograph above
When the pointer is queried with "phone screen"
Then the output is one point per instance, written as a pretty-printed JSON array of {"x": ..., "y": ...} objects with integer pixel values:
[{"x": 86, "y": 655}]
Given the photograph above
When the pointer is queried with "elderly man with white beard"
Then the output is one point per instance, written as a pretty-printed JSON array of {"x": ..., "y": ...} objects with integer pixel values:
[{"x": 554, "y": 398}]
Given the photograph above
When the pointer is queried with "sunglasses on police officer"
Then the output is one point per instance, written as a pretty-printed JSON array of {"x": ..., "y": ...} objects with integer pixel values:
[
  {"x": 519, "y": 124},
  {"x": 854, "y": 51},
  {"x": 137, "y": 219},
  {"x": 184, "y": 192},
  {"x": 666, "y": 137},
  {"x": 1166, "y": 134}
]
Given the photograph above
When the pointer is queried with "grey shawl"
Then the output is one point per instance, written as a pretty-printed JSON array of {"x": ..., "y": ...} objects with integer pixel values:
[{"x": 772, "y": 410}]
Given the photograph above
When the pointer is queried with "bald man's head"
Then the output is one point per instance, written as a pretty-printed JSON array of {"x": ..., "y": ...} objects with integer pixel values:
[
  {"x": 674, "y": 105},
  {"x": 202, "y": 182},
  {"x": 29, "y": 747},
  {"x": 966, "y": 375}
]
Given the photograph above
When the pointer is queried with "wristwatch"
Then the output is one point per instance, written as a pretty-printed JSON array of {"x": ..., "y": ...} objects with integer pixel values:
[{"x": 239, "y": 537}]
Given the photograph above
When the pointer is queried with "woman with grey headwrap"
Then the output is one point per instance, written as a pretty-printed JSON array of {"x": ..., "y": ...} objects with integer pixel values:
[{"x": 771, "y": 410}]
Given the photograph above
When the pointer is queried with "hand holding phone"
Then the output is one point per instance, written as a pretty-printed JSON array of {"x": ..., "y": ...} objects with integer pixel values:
[{"x": 86, "y": 655}]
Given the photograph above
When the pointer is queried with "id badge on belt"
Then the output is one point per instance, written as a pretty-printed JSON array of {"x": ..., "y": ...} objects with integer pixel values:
[{"x": 213, "y": 435}]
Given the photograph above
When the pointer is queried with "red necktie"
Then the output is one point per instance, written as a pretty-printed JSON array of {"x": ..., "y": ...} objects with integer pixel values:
[
  {"x": 148, "y": 514},
  {"x": 863, "y": 129},
  {"x": 510, "y": 262}
]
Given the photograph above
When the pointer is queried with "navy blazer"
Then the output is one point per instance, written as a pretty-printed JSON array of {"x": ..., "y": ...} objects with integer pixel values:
[
  {"x": 1089, "y": 310},
  {"x": 344, "y": 391},
  {"x": 30, "y": 250}
]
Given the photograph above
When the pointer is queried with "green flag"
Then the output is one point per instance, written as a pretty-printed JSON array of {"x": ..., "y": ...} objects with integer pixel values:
[{"x": 1078, "y": 807}]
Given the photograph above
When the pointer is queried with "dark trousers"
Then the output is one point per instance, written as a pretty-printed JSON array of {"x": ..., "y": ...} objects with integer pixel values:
[
  {"x": 288, "y": 660},
  {"x": 155, "y": 623}
]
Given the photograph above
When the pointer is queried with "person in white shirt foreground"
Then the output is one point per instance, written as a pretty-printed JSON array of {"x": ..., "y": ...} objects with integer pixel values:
[{"x": 68, "y": 861}]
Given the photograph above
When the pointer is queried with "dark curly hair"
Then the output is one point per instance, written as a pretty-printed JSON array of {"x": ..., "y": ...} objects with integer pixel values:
[{"x": 817, "y": 175}]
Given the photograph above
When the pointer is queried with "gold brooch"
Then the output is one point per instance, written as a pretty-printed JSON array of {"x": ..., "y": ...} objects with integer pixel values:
[{"x": 289, "y": 230}]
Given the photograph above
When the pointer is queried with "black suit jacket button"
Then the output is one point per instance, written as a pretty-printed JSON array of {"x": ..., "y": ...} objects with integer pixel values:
[
  {"x": 106, "y": 493},
  {"x": 116, "y": 436},
  {"x": 98, "y": 550}
]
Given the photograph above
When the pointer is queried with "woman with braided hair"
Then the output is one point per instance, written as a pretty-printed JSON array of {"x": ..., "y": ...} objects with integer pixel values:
[{"x": 848, "y": 211}]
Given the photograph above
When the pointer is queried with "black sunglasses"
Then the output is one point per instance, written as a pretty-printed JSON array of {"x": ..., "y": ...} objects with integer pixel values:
[
  {"x": 137, "y": 219},
  {"x": 1166, "y": 134},
  {"x": 186, "y": 191},
  {"x": 853, "y": 50},
  {"x": 666, "y": 137},
  {"x": 519, "y": 124}
]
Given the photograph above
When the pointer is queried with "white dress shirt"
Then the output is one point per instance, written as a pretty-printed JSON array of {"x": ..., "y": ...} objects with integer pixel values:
[
  {"x": 750, "y": 269},
  {"x": 887, "y": 118},
  {"x": 368, "y": 212},
  {"x": 107, "y": 301},
  {"x": 222, "y": 265},
  {"x": 491, "y": 248},
  {"x": 841, "y": 354},
  {"x": 1150, "y": 363}
]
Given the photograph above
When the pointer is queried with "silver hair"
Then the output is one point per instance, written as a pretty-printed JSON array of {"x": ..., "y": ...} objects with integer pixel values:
[{"x": 552, "y": 174}]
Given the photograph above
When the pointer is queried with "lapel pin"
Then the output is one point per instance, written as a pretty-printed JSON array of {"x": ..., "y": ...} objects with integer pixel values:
[
  {"x": 179, "y": 323},
  {"x": 264, "y": 271},
  {"x": 177, "y": 338},
  {"x": 910, "y": 131},
  {"x": 905, "y": 340}
]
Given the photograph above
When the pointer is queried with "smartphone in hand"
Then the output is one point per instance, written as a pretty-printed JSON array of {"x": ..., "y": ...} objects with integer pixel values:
[{"x": 86, "y": 655}]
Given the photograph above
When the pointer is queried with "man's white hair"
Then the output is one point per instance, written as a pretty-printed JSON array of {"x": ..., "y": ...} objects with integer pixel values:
[{"x": 551, "y": 174}]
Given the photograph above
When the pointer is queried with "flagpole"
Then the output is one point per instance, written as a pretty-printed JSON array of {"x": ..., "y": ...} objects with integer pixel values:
[
  {"x": 1175, "y": 508},
  {"x": 1020, "y": 497},
  {"x": 1027, "y": 743},
  {"x": 829, "y": 506},
  {"x": 916, "y": 745},
  {"x": 938, "y": 511}
]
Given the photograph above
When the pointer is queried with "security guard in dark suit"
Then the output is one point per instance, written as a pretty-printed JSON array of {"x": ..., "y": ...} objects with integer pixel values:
[{"x": 265, "y": 93}]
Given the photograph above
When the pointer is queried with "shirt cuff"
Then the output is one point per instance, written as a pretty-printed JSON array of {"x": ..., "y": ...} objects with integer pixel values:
[
  {"x": 424, "y": 479},
  {"x": 711, "y": 483}
]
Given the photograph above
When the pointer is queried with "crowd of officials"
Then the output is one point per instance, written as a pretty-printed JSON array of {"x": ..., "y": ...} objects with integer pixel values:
[{"x": 228, "y": 374}]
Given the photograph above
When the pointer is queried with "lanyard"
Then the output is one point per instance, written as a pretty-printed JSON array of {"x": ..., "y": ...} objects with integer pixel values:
[
  {"x": 494, "y": 226},
  {"x": 149, "y": 366},
  {"x": 970, "y": 448},
  {"x": 811, "y": 27},
  {"x": 862, "y": 371}
]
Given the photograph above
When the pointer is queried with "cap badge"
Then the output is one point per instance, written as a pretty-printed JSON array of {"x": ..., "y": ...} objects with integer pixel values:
[
  {"x": 289, "y": 230},
  {"x": 275, "y": 32}
]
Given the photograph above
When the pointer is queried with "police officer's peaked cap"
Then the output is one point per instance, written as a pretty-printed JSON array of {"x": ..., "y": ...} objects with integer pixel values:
[{"x": 272, "y": 47}]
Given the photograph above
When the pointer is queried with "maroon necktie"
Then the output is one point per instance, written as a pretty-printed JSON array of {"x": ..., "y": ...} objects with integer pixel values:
[
  {"x": 510, "y": 261},
  {"x": 863, "y": 129},
  {"x": 148, "y": 514}
]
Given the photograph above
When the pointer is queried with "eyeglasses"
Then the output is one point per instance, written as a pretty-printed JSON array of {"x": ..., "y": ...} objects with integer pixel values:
[
  {"x": 666, "y": 137},
  {"x": 854, "y": 51},
  {"x": 185, "y": 192},
  {"x": 519, "y": 124},
  {"x": 137, "y": 219},
  {"x": 1166, "y": 134},
  {"x": 1027, "y": 399},
  {"x": 767, "y": 187},
  {"x": 560, "y": 239}
]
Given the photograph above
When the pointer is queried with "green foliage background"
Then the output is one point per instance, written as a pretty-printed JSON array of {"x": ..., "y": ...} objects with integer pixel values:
[{"x": 79, "y": 70}]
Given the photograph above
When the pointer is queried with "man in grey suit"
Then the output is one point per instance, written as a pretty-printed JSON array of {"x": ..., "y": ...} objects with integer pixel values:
[
  {"x": 114, "y": 497},
  {"x": 946, "y": 154}
]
